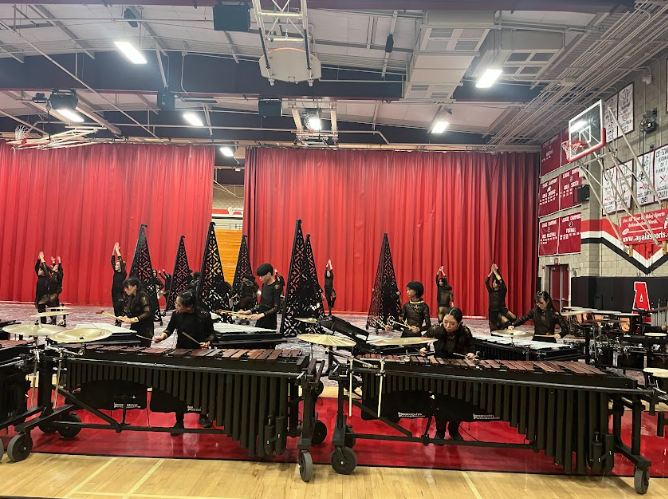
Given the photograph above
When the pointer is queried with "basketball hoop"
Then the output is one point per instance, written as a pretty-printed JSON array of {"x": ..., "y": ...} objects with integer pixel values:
[
  {"x": 21, "y": 134},
  {"x": 573, "y": 147}
]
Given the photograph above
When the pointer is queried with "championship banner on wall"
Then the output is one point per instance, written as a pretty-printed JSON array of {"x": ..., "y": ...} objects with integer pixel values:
[
  {"x": 548, "y": 200},
  {"x": 550, "y": 153},
  {"x": 569, "y": 234},
  {"x": 548, "y": 243},
  {"x": 569, "y": 181},
  {"x": 633, "y": 227}
]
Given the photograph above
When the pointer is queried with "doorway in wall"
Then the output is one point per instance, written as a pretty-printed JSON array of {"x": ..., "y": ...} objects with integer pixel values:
[{"x": 559, "y": 285}]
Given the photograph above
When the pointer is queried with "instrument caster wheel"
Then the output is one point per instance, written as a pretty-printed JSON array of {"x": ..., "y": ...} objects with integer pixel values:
[
  {"x": 319, "y": 389},
  {"x": 344, "y": 460},
  {"x": 47, "y": 428},
  {"x": 319, "y": 433},
  {"x": 19, "y": 447},
  {"x": 2, "y": 450},
  {"x": 351, "y": 439},
  {"x": 641, "y": 480},
  {"x": 69, "y": 432},
  {"x": 305, "y": 466}
]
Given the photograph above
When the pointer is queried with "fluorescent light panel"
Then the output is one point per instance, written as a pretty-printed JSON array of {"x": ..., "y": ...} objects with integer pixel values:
[
  {"x": 129, "y": 50},
  {"x": 227, "y": 151},
  {"x": 193, "y": 119},
  {"x": 315, "y": 123},
  {"x": 70, "y": 115},
  {"x": 488, "y": 78},
  {"x": 440, "y": 126}
]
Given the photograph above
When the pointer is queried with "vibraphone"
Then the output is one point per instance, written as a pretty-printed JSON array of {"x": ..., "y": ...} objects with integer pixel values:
[
  {"x": 561, "y": 407},
  {"x": 239, "y": 336},
  {"x": 493, "y": 347},
  {"x": 252, "y": 395}
]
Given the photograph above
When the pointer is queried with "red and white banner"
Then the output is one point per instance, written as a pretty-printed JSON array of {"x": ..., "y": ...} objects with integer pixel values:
[
  {"x": 569, "y": 181},
  {"x": 569, "y": 234},
  {"x": 550, "y": 155},
  {"x": 549, "y": 237},
  {"x": 634, "y": 229},
  {"x": 548, "y": 201}
]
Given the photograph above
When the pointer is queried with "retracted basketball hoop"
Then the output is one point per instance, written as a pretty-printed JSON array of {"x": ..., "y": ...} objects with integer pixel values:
[{"x": 573, "y": 148}]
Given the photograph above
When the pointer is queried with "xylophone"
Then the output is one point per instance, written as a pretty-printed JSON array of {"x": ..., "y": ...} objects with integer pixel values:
[
  {"x": 492, "y": 347},
  {"x": 252, "y": 395},
  {"x": 561, "y": 407}
]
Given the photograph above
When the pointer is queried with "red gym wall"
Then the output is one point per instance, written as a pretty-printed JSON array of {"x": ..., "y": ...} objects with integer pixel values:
[
  {"x": 78, "y": 202},
  {"x": 460, "y": 210}
]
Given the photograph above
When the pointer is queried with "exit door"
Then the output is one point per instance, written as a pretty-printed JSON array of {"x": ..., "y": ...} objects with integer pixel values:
[{"x": 559, "y": 285}]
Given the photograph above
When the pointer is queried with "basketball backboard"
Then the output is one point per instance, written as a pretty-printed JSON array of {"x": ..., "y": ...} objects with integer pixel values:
[{"x": 586, "y": 132}]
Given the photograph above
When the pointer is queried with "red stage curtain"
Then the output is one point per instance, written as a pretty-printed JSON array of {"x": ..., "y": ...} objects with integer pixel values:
[
  {"x": 78, "y": 202},
  {"x": 460, "y": 210}
]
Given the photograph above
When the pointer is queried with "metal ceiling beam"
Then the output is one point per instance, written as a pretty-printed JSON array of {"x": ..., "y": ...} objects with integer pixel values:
[
  {"x": 12, "y": 51},
  {"x": 584, "y": 6},
  {"x": 149, "y": 30},
  {"x": 46, "y": 13},
  {"x": 85, "y": 108}
]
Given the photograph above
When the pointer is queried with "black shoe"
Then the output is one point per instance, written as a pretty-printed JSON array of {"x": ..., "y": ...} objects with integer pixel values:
[
  {"x": 205, "y": 422},
  {"x": 457, "y": 437},
  {"x": 439, "y": 436},
  {"x": 175, "y": 428}
]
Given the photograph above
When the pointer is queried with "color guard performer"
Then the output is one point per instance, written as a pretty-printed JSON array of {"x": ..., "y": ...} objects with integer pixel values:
[
  {"x": 545, "y": 318},
  {"x": 415, "y": 313},
  {"x": 265, "y": 312},
  {"x": 194, "y": 329},
  {"x": 454, "y": 340},
  {"x": 138, "y": 312},
  {"x": 330, "y": 293},
  {"x": 499, "y": 315},
  {"x": 56, "y": 287},
  {"x": 42, "y": 287},
  {"x": 120, "y": 274},
  {"x": 444, "y": 295}
]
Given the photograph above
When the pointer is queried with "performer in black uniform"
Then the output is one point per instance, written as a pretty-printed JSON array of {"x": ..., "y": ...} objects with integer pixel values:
[
  {"x": 499, "y": 315},
  {"x": 415, "y": 312},
  {"x": 194, "y": 329},
  {"x": 444, "y": 295},
  {"x": 453, "y": 338},
  {"x": 330, "y": 293},
  {"x": 545, "y": 318},
  {"x": 120, "y": 274},
  {"x": 55, "y": 287},
  {"x": 138, "y": 311},
  {"x": 265, "y": 312},
  {"x": 42, "y": 288},
  {"x": 247, "y": 293}
]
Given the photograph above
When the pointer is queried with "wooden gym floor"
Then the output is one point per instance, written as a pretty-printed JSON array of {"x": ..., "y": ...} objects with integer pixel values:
[{"x": 90, "y": 477}]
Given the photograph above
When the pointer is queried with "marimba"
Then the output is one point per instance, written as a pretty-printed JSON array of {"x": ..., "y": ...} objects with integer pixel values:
[
  {"x": 562, "y": 408},
  {"x": 254, "y": 396},
  {"x": 492, "y": 347}
]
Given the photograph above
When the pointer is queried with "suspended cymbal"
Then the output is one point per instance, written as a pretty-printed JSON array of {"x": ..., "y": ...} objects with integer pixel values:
[
  {"x": 663, "y": 373},
  {"x": 658, "y": 309},
  {"x": 417, "y": 340},
  {"x": 82, "y": 335},
  {"x": 599, "y": 321},
  {"x": 511, "y": 333},
  {"x": 59, "y": 308},
  {"x": 652, "y": 370},
  {"x": 326, "y": 340},
  {"x": 307, "y": 320},
  {"x": 51, "y": 313},
  {"x": 656, "y": 335},
  {"x": 574, "y": 312},
  {"x": 33, "y": 329}
]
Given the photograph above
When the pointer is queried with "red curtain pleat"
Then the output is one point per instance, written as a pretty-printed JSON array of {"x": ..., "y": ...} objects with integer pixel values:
[
  {"x": 460, "y": 210},
  {"x": 76, "y": 203}
]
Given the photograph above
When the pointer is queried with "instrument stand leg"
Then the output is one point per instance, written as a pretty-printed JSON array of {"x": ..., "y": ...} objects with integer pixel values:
[
  {"x": 425, "y": 435},
  {"x": 587, "y": 343},
  {"x": 660, "y": 424}
]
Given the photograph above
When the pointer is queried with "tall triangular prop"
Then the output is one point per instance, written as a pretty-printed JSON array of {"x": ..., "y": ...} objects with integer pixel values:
[
  {"x": 385, "y": 297},
  {"x": 181, "y": 275},
  {"x": 303, "y": 296},
  {"x": 244, "y": 267},
  {"x": 143, "y": 270},
  {"x": 213, "y": 290}
]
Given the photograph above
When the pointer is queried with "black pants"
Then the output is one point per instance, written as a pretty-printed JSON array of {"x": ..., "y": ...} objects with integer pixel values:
[
  {"x": 443, "y": 310},
  {"x": 453, "y": 427},
  {"x": 41, "y": 308},
  {"x": 145, "y": 330},
  {"x": 500, "y": 319},
  {"x": 118, "y": 307},
  {"x": 330, "y": 296}
]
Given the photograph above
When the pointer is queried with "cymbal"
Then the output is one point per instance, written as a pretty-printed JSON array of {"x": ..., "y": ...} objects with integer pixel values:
[
  {"x": 656, "y": 335},
  {"x": 663, "y": 373},
  {"x": 598, "y": 321},
  {"x": 652, "y": 370},
  {"x": 511, "y": 333},
  {"x": 82, "y": 335},
  {"x": 574, "y": 312},
  {"x": 33, "y": 329},
  {"x": 658, "y": 309},
  {"x": 307, "y": 320},
  {"x": 51, "y": 313},
  {"x": 606, "y": 312},
  {"x": 59, "y": 308},
  {"x": 327, "y": 340},
  {"x": 387, "y": 342}
]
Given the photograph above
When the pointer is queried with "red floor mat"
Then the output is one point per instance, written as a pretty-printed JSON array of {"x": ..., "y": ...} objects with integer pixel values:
[{"x": 369, "y": 452}]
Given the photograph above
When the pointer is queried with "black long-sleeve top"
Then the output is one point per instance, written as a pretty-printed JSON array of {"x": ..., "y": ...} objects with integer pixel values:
[
  {"x": 119, "y": 277},
  {"x": 197, "y": 324},
  {"x": 497, "y": 297},
  {"x": 544, "y": 321},
  {"x": 415, "y": 313},
  {"x": 329, "y": 281},
  {"x": 56, "y": 281},
  {"x": 42, "y": 287},
  {"x": 139, "y": 306},
  {"x": 248, "y": 288},
  {"x": 270, "y": 300},
  {"x": 443, "y": 293},
  {"x": 447, "y": 344}
]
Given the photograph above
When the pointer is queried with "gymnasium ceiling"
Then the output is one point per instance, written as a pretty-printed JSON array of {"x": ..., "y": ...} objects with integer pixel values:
[{"x": 556, "y": 59}]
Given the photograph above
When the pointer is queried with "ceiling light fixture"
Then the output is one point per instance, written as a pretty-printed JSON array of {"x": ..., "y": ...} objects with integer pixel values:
[
  {"x": 64, "y": 103},
  {"x": 129, "y": 50},
  {"x": 70, "y": 115},
  {"x": 193, "y": 119},
  {"x": 489, "y": 77},
  {"x": 314, "y": 122},
  {"x": 227, "y": 151},
  {"x": 440, "y": 126},
  {"x": 237, "y": 169}
]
